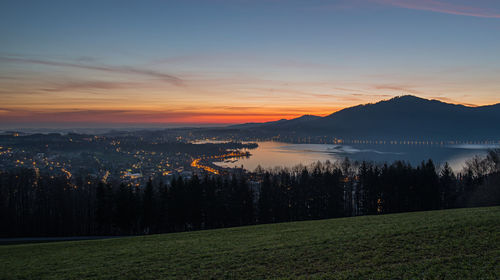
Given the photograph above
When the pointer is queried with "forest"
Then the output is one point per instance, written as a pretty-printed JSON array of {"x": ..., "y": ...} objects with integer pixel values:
[{"x": 36, "y": 204}]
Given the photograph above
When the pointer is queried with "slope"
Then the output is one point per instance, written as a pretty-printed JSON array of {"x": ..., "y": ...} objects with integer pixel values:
[{"x": 449, "y": 244}]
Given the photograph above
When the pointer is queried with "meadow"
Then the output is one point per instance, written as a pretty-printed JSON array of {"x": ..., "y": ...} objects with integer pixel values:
[{"x": 444, "y": 244}]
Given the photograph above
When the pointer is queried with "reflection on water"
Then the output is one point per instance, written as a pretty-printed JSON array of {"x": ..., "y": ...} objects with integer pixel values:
[{"x": 272, "y": 154}]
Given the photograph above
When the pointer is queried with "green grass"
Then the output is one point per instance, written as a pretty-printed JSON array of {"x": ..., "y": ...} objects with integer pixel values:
[{"x": 450, "y": 244}]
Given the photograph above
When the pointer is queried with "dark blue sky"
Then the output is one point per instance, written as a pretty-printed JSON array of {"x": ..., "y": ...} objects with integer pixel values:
[{"x": 223, "y": 60}]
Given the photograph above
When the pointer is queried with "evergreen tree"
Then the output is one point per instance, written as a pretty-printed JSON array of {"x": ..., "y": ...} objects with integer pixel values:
[
  {"x": 447, "y": 189},
  {"x": 265, "y": 200},
  {"x": 148, "y": 208}
]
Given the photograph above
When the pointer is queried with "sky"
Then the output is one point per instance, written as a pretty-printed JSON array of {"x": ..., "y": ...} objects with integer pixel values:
[{"x": 168, "y": 63}]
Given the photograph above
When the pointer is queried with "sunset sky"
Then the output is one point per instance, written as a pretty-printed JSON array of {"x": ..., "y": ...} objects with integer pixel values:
[{"x": 95, "y": 63}]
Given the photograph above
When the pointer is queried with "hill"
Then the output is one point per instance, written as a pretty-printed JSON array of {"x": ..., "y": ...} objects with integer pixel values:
[
  {"x": 449, "y": 244},
  {"x": 401, "y": 118},
  {"x": 283, "y": 123}
]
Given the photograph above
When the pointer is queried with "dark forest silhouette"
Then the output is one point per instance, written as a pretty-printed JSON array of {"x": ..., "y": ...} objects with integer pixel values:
[{"x": 34, "y": 204}]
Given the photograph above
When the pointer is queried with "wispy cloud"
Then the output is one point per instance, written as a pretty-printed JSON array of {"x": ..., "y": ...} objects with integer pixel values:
[
  {"x": 83, "y": 85},
  {"x": 401, "y": 88},
  {"x": 235, "y": 58},
  {"x": 443, "y": 7},
  {"x": 105, "y": 68},
  {"x": 234, "y": 115},
  {"x": 453, "y": 101}
]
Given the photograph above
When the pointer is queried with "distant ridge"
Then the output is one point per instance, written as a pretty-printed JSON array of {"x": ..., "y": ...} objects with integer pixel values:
[{"x": 398, "y": 118}]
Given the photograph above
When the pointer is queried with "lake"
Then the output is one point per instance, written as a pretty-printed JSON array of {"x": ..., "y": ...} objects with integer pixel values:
[{"x": 272, "y": 154}]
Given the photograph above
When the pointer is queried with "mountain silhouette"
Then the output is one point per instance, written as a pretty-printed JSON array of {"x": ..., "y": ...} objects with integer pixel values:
[{"x": 401, "y": 118}]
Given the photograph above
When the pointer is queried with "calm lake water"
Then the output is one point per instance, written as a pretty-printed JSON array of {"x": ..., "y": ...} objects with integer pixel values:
[{"x": 272, "y": 154}]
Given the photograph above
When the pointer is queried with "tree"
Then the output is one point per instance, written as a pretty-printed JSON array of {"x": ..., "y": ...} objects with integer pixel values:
[
  {"x": 124, "y": 209},
  {"x": 163, "y": 214},
  {"x": 265, "y": 200},
  {"x": 104, "y": 208},
  {"x": 448, "y": 191},
  {"x": 148, "y": 208}
]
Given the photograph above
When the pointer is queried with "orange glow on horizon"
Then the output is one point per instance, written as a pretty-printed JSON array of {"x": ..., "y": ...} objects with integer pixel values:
[
  {"x": 190, "y": 105},
  {"x": 134, "y": 116},
  {"x": 205, "y": 119},
  {"x": 207, "y": 115}
]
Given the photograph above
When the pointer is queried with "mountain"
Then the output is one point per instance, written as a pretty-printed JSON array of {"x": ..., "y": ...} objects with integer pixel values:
[
  {"x": 256, "y": 125},
  {"x": 281, "y": 124},
  {"x": 400, "y": 118}
]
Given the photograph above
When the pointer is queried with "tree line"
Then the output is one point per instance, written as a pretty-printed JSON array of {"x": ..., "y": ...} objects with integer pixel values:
[{"x": 33, "y": 204}]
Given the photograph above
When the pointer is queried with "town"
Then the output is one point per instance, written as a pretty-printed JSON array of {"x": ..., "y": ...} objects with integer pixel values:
[{"x": 127, "y": 158}]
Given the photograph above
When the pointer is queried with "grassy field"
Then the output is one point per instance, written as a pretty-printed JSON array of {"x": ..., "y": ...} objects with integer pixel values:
[{"x": 450, "y": 244}]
